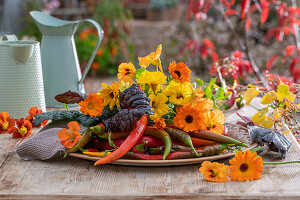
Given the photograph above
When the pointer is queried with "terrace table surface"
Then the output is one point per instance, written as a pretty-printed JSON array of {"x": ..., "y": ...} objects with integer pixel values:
[{"x": 71, "y": 178}]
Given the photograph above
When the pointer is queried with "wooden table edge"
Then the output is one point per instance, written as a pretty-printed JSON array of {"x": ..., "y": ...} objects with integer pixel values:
[{"x": 155, "y": 196}]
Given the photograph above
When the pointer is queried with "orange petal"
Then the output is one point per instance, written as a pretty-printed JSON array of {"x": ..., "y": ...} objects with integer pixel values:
[
  {"x": 73, "y": 126},
  {"x": 64, "y": 134}
]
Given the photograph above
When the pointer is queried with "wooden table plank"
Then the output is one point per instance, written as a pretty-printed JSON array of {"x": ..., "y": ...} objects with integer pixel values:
[{"x": 75, "y": 178}]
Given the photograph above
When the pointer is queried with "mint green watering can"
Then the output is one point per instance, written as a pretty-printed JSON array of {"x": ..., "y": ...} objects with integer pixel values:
[{"x": 61, "y": 69}]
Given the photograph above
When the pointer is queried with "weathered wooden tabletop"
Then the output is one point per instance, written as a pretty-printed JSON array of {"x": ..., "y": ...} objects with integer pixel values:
[{"x": 75, "y": 178}]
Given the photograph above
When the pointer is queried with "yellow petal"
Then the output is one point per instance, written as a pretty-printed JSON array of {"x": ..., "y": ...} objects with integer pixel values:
[
  {"x": 258, "y": 118},
  {"x": 268, "y": 122},
  {"x": 278, "y": 112},
  {"x": 250, "y": 94},
  {"x": 269, "y": 97},
  {"x": 283, "y": 91},
  {"x": 287, "y": 132}
]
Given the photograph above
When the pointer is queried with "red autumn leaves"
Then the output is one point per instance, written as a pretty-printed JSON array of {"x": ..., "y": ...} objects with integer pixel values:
[{"x": 23, "y": 126}]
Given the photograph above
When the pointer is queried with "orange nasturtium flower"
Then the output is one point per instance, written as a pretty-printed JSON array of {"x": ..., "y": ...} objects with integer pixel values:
[
  {"x": 24, "y": 128},
  {"x": 92, "y": 105},
  {"x": 126, "y": 72},
  {"x": 188, "y": 118},
  {"x": 32, "y": 112},
  {"x": 199, "y": 92},
  {"x": 152, "y": 58},
  {"x": 212, "y": 121},
  {"x": 246, "y": 166},
  {"x": 215, "y": 172},
  {"x": 6, "y": 122},
  {"x": 70, "y": 137},
  {"x": 160, "y": 123},
  {"x": 180, "y": 71}
]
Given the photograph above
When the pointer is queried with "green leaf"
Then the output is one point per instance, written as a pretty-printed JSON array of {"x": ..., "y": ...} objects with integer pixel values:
[
  {"x": 66, "y": 106},
  {"x": 139, "y": 72},
  {"x": 208, "y": 92},
  {"x": 199, "y": 82},
  {"x": 219, "y": 94},
  {"x": 256, "y": 149},
  {"x": 212, "y": 82}
]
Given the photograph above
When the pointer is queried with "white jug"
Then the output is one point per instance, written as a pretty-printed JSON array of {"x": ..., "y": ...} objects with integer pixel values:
[{"x": 21, "y": 78}]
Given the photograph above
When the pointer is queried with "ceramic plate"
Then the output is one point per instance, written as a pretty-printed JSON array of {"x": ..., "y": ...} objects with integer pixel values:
[{"x": 235, "y": 131}]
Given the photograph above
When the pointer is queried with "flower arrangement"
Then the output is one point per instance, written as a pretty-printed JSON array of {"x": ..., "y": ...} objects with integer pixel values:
[{"x": 147, "y": 115}]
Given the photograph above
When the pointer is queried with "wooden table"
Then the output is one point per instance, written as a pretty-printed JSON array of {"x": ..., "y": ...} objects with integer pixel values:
[{"x": 74, "y": 178}]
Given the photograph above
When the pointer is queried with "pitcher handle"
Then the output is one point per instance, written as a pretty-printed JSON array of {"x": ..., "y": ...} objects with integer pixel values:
[
  {"x": 91, "y": 59},
  {"x": 12, "y": 37}
]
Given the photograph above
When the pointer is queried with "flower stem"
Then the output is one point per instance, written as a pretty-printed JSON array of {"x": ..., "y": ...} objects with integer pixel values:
[{"x": 280, "y": 163}]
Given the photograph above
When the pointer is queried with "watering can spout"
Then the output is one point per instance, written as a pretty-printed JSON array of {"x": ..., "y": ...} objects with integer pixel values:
[{"x": 52, "y": 26}]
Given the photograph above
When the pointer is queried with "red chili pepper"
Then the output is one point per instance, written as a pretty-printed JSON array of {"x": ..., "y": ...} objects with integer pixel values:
[
  {"x": 152, "y": 142},
  {"x": 203, "y": 151},
  {"x": 128, "y": 144},
  {"x": 200, "y": 143}
]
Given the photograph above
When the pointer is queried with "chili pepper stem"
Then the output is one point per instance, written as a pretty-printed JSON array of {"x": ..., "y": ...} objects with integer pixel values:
[{"x": 188, "y": 141}]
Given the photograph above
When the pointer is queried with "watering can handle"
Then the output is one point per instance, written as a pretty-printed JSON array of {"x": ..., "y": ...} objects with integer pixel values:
[{"x": 90, "y": 61}]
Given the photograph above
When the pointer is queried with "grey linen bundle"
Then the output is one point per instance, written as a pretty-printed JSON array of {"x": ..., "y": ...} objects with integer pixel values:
[{"x": 45, "y": 144}]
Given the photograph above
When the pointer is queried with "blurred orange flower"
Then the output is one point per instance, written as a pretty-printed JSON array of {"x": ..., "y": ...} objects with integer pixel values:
[
  {"x": 126, "y": 72},
  {"x": 24, "y": 128},
  {"x": 32, "y": 112},
  {"x": 95, "y": 66},
  {"x": 212, "y": 121},
  {"x": 187, "y": 118},
  {"x": 180, "y": 71},
  {"x": 215, "y": 172},
  {"x": 99, "y": 52},
  {"x": 92, "y": 105},
  {"x": 160, "y": 123},
  {"x": 6, "y": 122},
  {"x": 71, "y": 137}
]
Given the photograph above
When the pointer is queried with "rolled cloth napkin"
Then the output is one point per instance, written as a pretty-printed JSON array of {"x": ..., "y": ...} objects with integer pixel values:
[{"x": 45, "y": 144}]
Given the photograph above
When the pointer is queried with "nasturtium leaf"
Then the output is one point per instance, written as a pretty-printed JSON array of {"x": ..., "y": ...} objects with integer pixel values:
[
  {"x": 138, "y": 73},
  {"x": 199, "y": 82},
  {"x": 208, "y": 92}
]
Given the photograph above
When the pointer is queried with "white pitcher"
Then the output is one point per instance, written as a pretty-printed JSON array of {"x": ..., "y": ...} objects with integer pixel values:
[{"x": 21, "y": 78}]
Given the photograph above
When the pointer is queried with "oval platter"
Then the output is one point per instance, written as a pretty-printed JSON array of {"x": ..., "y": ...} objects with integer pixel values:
[{"x": 235, "y": 131}]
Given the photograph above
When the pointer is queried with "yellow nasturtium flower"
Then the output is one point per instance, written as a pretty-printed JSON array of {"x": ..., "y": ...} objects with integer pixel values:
[
  {"x": 153, "y": 58},
  {"x": 250, "y": 94},
  {"x": 159, "y": 105},
  {"x": 269, "y": 97},
  {"x": 153, "y": 79}
]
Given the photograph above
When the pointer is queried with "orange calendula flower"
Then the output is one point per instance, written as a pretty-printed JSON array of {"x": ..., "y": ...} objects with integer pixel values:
[
  {"x": 92, "y": 105},
  {"x": 32, "y": 112},
  {"x": 203, "y": 104},
  {"x": 212, "y": 121},
  {"x": 70, "y": 137},
  {"x": 187, "y": 118},
  {"x": 215, "y": 172},
  {"x": 180, "y": 71},
  {"x": 6, "y": 122},
  {"x": 160, "y": 123},
  {"x": 126, "y": 72},
  {"x": 246, "y": 166},
  {"x": 24, "y": 128}
]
